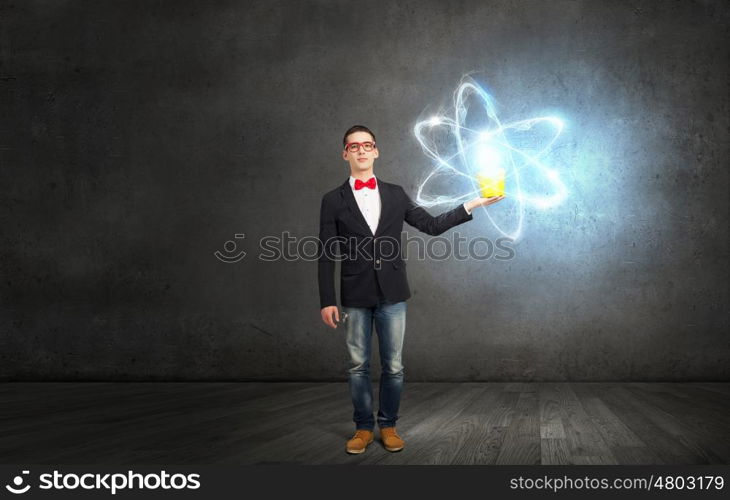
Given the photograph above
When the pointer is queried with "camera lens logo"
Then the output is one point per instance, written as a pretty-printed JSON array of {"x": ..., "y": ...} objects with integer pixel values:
[
  {"x": 230, "y": 247},
  {"x": 18, "y": 482}
]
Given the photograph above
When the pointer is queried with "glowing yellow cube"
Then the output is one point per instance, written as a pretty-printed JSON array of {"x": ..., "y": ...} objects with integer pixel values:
[{"x": 491, "y": 183}]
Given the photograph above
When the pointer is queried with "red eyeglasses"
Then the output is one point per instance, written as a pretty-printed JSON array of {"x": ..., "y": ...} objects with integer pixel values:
[{"x": 354, "y": 147}]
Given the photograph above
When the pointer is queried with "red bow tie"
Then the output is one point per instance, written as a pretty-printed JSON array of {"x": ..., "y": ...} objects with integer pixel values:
[{"x": 369, "y": 184}]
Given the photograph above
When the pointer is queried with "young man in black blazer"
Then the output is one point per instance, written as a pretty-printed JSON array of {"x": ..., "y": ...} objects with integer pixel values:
[{"x": 360, "y": 225}]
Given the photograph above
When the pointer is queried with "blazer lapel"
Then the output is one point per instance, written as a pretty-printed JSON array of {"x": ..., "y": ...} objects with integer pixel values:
[
  {"x": 349, "y": 198},
  {"x": 385, "y": 202}
]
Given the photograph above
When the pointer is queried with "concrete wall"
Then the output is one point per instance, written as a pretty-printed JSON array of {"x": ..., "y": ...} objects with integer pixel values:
[{"x": 137, "y": 138}]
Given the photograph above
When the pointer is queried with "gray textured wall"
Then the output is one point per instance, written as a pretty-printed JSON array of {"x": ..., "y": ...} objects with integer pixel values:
[{"x": 138, "y": 137}]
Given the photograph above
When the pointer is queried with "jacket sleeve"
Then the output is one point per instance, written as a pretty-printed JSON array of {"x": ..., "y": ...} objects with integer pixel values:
[
  {"x": 419, "y": 218},
  {"x": 328, "y": 248}
]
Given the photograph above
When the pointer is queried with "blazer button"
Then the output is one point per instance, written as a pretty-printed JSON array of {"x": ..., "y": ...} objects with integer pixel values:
[{"x": 377, "y": 261}]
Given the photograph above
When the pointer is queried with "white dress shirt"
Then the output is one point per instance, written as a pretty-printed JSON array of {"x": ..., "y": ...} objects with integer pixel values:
[{"x": 369, "y": 202}]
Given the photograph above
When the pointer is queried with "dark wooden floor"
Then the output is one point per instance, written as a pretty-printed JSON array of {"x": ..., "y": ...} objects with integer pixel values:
[{"x": 308, "y": 423}]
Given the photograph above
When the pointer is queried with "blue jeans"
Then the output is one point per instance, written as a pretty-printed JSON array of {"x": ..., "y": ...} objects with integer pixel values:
[{"x": 390, "y": 324}]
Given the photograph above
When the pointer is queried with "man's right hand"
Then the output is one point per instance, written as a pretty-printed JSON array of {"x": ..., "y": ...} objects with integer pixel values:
[{"x": 327, "y": 313}]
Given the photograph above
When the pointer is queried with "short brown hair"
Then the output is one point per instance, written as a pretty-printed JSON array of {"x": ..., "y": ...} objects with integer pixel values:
[{"x": 356, "y": 128}]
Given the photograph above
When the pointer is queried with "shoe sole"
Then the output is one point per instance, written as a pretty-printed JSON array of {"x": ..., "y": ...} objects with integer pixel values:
[
  {"x": 357, "y": 452},
  {"x": 394, "y": 449}
]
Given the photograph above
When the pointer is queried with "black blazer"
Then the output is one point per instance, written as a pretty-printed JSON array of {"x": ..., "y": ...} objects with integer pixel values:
[{"x": 369, "y": 259}]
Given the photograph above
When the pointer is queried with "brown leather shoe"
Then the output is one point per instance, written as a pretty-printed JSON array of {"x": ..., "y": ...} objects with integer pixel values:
[
  {"x": 391, "y": 440},
  {"x": 360, "y": 441}
]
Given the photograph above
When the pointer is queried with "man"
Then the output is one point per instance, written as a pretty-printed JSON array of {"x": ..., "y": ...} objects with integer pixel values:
[{"x": 360, "y": 224}]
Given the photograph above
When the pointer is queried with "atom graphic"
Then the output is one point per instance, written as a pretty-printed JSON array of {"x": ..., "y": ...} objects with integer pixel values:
[{"x": 475, "y": 143}]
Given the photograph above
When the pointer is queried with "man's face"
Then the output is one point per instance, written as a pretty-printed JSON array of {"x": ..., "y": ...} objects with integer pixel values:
[{"x": 360, "y": 160}]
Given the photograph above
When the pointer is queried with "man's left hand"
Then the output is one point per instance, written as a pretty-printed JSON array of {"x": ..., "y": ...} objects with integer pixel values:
[
  {"x": 488, "y": 201},
  {"x": 482, "y": 202}
]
